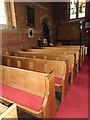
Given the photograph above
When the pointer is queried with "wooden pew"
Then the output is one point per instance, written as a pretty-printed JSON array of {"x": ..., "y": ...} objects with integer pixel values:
[
  {"x": 70, "y": 51},
  {"x": 32, "y": 91},
  {"x": 71, "y": 47},
  {"x": 67, "y": 49},
  {"x": 58, "y": 51},
  {"x": 75, "y": 47},
  {"x": 41, "y": 65},
  {"x": 8, "y": 112},
  {"x": 69, "y": 59}
]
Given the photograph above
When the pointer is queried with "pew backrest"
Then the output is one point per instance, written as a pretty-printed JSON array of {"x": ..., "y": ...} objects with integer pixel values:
[
  {"x": 56, "y": 51},
  {"x": 47, "y": 56},
  {"x": 8, "y": 112},
  {"x": 24, "y": 80},
  {"x": 40, "y": 65},
  {"x": 31, "y": 82}
]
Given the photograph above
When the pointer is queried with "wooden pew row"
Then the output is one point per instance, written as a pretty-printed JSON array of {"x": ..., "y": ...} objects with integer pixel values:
[
  {"x": 82, "y": 51},
  {"x": 58, "y": 51},
  {"x": 8, "y": 112},
  {"x": 32, "y": 91},
  {"x": 68, "y": 50},
  {"x": 75, "y": 47},
  {"x": 70, "y": 58},
  {"x": 76, "y": 56},
  {"x": 40, "y": 65},
  {"x": 79, "y": 55}
]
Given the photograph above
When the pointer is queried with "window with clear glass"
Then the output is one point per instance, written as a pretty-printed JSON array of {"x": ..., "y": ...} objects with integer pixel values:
[
  {"x": 77, "y": 9},
  {"x": 2, "y": 13}
]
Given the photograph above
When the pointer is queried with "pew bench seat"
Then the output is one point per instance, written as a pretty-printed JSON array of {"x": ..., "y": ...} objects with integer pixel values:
[
  {"x": 8, "y": 112},
  {"x": 58, "y": 80},
  {"x": 26, "y": 99},
  {"x": 40, "y": 65},
  {"x": 32, "y": 91},
  {"x": 23, "y": 98}
]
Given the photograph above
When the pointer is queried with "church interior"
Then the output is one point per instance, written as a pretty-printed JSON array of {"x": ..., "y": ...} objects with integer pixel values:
[{"x": 44, "y": 49}]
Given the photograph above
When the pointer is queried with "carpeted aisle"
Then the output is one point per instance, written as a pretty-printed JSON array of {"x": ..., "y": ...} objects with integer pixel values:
[{"x": 75, "y": 104}]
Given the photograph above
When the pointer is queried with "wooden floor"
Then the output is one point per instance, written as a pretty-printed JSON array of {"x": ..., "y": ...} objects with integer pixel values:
[{"x": 23, "y": 115}]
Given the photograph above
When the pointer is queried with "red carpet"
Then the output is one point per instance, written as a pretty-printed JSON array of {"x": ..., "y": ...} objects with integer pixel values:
[{"x": 75, "y": 104}]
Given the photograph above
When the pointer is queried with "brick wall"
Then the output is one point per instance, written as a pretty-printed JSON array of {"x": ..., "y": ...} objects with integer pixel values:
[{"x": 16, "y": 36}]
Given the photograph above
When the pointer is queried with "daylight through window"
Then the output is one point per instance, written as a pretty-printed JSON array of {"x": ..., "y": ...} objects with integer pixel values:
[
  {"x": 2, "y": 13},
  {"x": 77, "y": 9}
]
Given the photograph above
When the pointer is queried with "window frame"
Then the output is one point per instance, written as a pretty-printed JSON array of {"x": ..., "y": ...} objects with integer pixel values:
[
  {"x": 5, "y": 25},
  {"x": 77, "y": 13},
  {"x": 9, "y": 24}
]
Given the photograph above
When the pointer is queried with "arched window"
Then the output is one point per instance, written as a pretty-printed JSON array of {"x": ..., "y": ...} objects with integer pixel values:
[
  {"x": 77, "y": 9},
  {"x": 2, "y": 13}
]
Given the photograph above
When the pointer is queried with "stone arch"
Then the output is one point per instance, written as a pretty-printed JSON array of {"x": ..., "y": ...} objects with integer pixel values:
[{"x": 45, "y": 18}]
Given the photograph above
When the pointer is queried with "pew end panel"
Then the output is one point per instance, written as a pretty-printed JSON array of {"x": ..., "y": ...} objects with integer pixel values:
[
  {"x": 51, "y": 99},
  {"x": 59, "y": 68},
  {"x": 34, "y": 83},
  {"x": 8, "y": 112}
]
